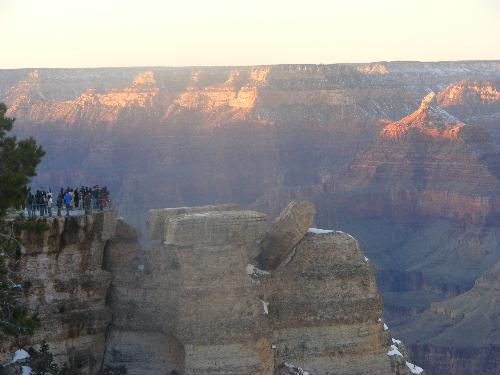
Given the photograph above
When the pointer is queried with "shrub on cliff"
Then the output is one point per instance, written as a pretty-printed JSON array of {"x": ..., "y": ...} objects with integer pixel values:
[{"x": 18, "y": 162}]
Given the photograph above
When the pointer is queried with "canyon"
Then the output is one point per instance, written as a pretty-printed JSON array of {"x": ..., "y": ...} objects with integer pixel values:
[
  {"x": 402, "y": 155},
  {"x": 195, "y": 301}
]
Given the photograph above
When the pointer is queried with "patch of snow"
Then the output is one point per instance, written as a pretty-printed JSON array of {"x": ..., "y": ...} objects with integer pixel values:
[
  {"x": 319, "y": 231},
  {"x": 266, "y": 307},
  {"x": 414, "y": 369},
  {"x": 299, "y": 370},
  {"x": 273, "y": 346},
  {"x": 141, "y": 267},
  {"x": 393, "y": 350},
  {"x": 385, "y": 327},
  {"x": 347, "y": 234},
  {"x": 367, "y": 260},
  {"x": 397, "y": 342},
  {"x": 20, "y": 355},
  {"x": 379, "y": 320},
  {"x": 26, "y": 370},
  {"x": 255, "y": 272}
]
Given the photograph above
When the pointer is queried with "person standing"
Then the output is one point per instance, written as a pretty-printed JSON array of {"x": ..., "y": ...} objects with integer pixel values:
[
  {"x": 42, "y": 202},
  {"x": 59, "y": 202},
  {"x": 36, "y": 202},
  {"x": 77, "y": 198},
  {"x": 49, "y": 203},
  {"x": 87, "y": 202},
  {"x": 67, "y": 201},
  {"x": 72, "y": 194}
]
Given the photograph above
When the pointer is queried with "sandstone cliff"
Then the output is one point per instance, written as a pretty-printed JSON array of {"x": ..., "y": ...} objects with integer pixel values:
[
  {"x": 62, "y": 278},
  {"x": 196, "y": 302}
]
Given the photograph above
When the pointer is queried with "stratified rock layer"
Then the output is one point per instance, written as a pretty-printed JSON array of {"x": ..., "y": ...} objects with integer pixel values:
[
  {"x": 63, "y": 280},
  {"x": 211, "y": 311}
]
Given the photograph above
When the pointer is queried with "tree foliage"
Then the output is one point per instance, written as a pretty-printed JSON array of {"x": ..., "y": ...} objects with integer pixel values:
[{"x": 18, "y": 162}]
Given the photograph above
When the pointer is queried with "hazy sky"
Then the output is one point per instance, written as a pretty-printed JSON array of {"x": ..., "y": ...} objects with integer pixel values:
[{"x": 88, "y": 33}]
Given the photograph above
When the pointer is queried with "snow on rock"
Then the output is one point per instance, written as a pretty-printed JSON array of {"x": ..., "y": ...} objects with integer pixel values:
[
  {"x": 266, "y": 306},
  {"x": 319, "y": 231},
  {"x": 298, "y": 370},
  {"x": 395, "y": 341},
  {"x": 26, "y": 370},
  {"x": 20, "y": 355},
  {"x": 385, "y": 327},
  {"x": 367, "y": 260},
  {"x": 347, "y": 234},
  {"x": 393, "y": 350},
  {"x": 255, "y": 272},
  {"x": 414, "y": 369}
]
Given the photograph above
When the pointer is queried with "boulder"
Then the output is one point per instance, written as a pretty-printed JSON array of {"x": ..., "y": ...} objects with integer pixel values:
[
  {"x": 157, "y": 218},
  {"x": 285, "y": 232}
]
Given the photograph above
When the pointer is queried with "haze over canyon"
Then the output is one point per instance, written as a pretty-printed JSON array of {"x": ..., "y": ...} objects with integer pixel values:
[{"x": 402, "y": 155}]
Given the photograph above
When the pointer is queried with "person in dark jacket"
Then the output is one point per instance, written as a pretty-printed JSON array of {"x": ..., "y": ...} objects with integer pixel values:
[
  {"x": 76, "y": 198},
  {"x": 59, "y": 202},
  {"x": 31, "y": 204}
]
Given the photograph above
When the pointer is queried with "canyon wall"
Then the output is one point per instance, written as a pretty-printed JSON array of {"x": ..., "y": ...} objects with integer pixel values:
[
  {"x": 196, "y": 301},
  {"x": 61, "y": 275},
  {"x": 413, "y": 177}
]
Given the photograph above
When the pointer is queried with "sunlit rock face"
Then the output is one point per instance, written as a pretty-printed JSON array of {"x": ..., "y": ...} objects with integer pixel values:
[{"x": 416, "y": 181}]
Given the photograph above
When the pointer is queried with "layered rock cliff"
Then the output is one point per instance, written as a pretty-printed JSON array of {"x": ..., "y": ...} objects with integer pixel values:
[
  {"x": 424, "y": 204},
  {"x": 197, "y": 303},
  {"x": 61, "y": 274},
  {"x": 461, "y": 334}
]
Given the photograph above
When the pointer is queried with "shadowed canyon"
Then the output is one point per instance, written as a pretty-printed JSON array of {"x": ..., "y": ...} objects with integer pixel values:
[{"x": 402, "y": 155}]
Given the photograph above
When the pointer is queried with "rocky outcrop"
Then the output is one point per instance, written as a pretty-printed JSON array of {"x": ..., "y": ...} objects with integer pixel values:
[
  {"x": 285, "y": 232},
  {"x": 158, "y": 219},
  {"x": 220, "y": 314},
  {"x": 62, "y": 278}
]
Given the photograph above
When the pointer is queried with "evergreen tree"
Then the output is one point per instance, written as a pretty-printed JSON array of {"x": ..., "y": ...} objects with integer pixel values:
[
  {"x": 42, "y": 361},
  {"x": 18, "y": 161}
]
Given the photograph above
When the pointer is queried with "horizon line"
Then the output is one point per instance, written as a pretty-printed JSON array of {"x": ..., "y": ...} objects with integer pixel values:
[{"x": 257, "y": 65}]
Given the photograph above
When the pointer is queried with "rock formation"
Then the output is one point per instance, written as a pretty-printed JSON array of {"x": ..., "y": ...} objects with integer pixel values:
[
  {"x": 461, "y": 334},
  {"x": 421, "y": 197},
  {"x": 62, "y": 278},
  {"x": 196, "y": 304}
]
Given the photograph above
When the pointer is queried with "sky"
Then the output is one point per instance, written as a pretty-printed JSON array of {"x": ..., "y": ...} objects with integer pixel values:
[{"x": 97, "y": 33}]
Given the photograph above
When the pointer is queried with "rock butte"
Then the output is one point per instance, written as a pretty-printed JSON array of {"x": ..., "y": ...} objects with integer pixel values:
[{"x": 195, "y": 303}]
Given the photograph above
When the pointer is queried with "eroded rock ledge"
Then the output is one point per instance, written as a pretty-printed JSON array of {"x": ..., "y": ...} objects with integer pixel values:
[
  {"x": 61, "y": 274},
  {"x": 219, "y": 291},
  {"x": 222, "y": 292}
]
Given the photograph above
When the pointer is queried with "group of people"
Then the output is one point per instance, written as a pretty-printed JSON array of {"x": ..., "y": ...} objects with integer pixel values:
[{"x": 86, "y": 198}]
